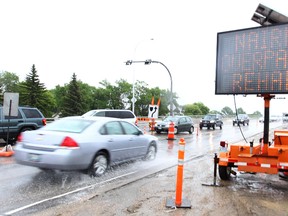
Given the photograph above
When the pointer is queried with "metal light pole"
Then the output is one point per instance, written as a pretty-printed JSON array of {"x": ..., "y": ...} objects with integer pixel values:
[
  {"x": 149, "y": 61},
  {"x": 133, "y": 84}
]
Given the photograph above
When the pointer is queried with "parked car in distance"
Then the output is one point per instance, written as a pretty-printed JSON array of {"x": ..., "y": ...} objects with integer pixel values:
[
  {"x": 181, "y": 124},
  {"x": 127, "y": 115},
  {"x": 28, "y": 118},
  {"x": 84, "y": 143},
  {"x": 211, "y": 121},
  {"x": 241, "y": 119}
]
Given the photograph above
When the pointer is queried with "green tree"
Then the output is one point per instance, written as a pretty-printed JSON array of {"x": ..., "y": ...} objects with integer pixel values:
[
  {"x": 227, "y": 111},
  {"x": 72, "y": 101},
  {"x": 192, "y": 109},
  {"x": 112, "y": 95},
  {"x": 215, "y": 112},
  {"x": 100, "y": 99},
  {"x": 50, "y": 101},
  {"x": 257, "y": 113},
  {"x": 143, "y": 98},
  {"x": 9, "y": 82},
  {"x": 195, "y": 109},
  {"x": 87, "y": 93},
  {"x": 33, "y": 92},
  {"x": 58, "y": 92},
  {"x": 125, "y": 90},
  {"x": 240, "y": 111}
]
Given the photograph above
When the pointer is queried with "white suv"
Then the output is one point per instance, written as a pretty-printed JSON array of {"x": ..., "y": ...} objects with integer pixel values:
[{"x": 122, "y": 114}]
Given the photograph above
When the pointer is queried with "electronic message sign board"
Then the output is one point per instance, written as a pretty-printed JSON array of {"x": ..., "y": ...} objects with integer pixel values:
[{"x": 253, "y": 61}]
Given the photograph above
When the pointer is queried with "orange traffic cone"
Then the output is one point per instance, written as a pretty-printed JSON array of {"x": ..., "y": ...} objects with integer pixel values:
[{"x": 171, "y": 131}]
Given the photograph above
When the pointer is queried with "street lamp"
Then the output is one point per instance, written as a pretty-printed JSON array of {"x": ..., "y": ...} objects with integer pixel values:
[
  {"x": 149, "y": 61},
  {"x": 133, "y": 84}
]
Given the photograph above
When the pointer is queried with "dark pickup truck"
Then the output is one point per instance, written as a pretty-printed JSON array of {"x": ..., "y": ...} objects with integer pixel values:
[{"x": 28, "y": 118}]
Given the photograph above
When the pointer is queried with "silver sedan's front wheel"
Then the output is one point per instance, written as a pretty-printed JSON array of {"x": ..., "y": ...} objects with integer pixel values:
[
  {"x": 151, "y": 153},
  {"x": 99, "y": 165}
]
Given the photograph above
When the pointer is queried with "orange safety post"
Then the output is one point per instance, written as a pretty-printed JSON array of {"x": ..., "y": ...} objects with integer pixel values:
[
  {"x": 178, "y": 198},
  {"x": 179, "y": 202},
  {"x": 171, "y": 131}
]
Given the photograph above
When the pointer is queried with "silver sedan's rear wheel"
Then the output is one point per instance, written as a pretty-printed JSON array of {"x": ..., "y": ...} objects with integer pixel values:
[
  {"x": 99, "y": 165},
  {"x": 151, "y": 153}
]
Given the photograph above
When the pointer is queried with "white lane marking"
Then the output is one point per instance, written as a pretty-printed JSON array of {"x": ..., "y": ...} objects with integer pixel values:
[{"x": 65, "y": 194}]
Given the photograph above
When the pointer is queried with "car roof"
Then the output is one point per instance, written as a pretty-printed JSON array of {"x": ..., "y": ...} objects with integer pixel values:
[
  {"x": 177, "y": 116},
  {"x": 116, "y": 110},
  {"x": 94, "y": 118}
]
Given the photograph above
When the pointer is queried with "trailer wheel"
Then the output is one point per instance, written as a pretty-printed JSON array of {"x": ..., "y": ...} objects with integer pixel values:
[{"x": 224, "y": 172}]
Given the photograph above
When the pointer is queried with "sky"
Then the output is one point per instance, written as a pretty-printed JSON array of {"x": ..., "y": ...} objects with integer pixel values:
[{"x": 94, "y": 38}]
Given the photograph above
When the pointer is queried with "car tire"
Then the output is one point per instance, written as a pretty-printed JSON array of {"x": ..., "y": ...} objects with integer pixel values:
[
  {"x": 191, "y": 130},
  {"x": 151, "y": 152},
  {"x": 213, "y": 127},
  {"x": 220, "y": 126},
  {"x": 158, "y": 131},
  {"x": 26, "y": 129},
  {"x": 224, "y": 172},
  {"x": 200, "y": 127},
  {"x": 175, "y": 130},
  {"x": 99, "y": 165},
  {"x": 23, "y": 130}
]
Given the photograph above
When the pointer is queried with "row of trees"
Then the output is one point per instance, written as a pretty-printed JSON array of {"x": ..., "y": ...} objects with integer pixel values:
[{"x": 76, "y": 97}]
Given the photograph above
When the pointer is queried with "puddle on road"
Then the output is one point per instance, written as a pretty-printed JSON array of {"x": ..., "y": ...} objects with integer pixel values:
[{"x": 259, "y": 185}]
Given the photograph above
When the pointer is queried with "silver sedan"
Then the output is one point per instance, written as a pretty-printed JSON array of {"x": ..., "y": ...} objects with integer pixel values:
[{"x": 79, "y": 143}]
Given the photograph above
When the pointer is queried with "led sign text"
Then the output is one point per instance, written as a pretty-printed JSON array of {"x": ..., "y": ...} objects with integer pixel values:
[{"x": 253, "y": 61}]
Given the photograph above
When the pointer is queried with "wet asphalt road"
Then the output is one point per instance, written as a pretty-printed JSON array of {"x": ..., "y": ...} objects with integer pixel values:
[{"x": 22, "y": 187}]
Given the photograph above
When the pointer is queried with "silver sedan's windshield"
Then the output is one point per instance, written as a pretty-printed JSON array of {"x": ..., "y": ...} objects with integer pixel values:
[{"x": 68, "y": 125}]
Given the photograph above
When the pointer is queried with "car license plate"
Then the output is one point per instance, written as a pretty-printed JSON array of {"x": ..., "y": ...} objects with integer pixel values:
[
  {"x": 34, "y": 157},
  {"x": 204, "y": 125}
]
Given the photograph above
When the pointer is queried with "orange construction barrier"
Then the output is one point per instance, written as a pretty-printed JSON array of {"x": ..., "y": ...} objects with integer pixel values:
[
  {"x": 144, "y": 129},
  {"x": 171, "y": 131},
  {"x": 152, "y": 125},
  {"x": 178, "y": 202},
  {"x": 7, "y": 151}
]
